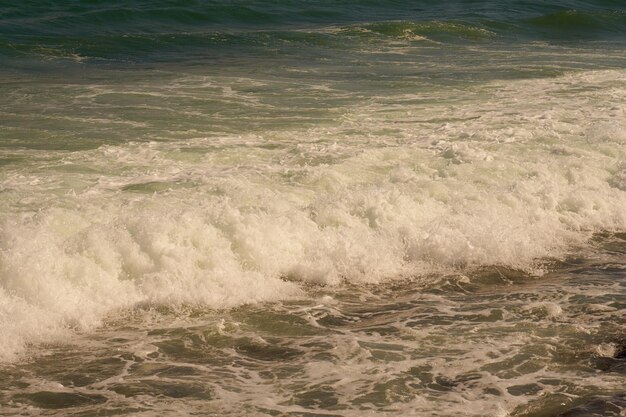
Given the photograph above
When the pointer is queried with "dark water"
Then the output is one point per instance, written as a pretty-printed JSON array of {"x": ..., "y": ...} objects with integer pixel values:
[
  {"x": 307, "y": 208},
  {"x": 212, "y": 31}
]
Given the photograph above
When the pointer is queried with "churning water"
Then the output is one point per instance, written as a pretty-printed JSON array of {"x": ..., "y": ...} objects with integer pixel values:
[{"x": 312, "y": 208}]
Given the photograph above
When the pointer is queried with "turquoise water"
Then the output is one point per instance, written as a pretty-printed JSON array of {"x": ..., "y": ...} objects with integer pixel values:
[{"x": 290, "y": 208}]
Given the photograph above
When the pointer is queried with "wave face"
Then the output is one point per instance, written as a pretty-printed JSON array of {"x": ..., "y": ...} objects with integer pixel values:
[
  {"x": 143, "y": 30},
  {"x": 142, "y": 16},
  {"x": 223, "y": 153}
]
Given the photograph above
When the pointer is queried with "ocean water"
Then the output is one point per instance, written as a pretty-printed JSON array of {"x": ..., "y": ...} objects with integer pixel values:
[{"x": 313, "y": 208}]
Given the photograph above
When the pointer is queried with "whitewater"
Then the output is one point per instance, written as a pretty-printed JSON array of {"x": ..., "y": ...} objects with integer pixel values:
[{"x": 322, "y": 210}]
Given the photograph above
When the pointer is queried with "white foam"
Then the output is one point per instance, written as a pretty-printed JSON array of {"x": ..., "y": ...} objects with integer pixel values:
[
  {"x": 520, "y": 172},
  {"x": 607, "y": 350}
]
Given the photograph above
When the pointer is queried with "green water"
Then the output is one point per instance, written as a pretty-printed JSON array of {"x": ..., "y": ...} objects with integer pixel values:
[{"x": 307, "y": 208}]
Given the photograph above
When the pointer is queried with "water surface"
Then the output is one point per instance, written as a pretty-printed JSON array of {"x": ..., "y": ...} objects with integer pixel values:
[{"x": 312, "y": 208}]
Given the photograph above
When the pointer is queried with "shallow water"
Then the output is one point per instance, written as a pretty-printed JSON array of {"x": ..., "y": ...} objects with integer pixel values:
[
  {"x": 493, "y": 342},
  {"x": 312, "y": 208}
]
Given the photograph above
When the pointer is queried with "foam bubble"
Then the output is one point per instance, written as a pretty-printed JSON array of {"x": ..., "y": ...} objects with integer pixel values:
[{"x": 221, "y": 222}]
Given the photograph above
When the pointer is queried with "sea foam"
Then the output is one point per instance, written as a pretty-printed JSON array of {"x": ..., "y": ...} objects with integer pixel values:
[{"x": 520, "y": 172}]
